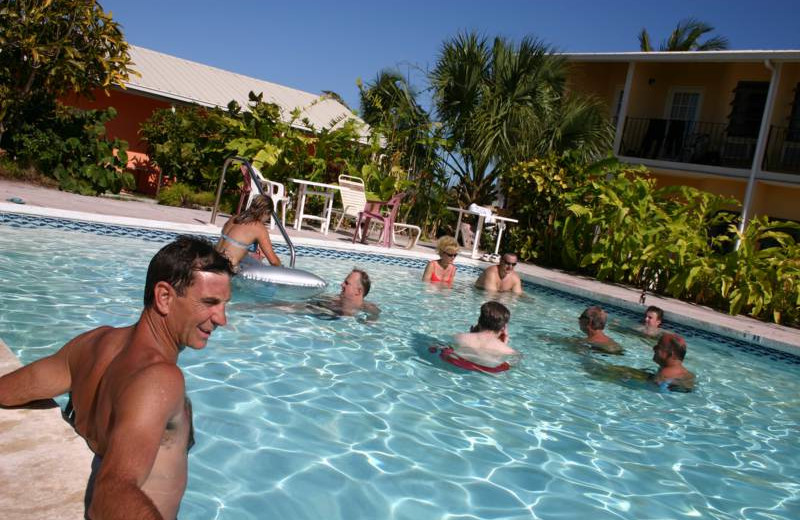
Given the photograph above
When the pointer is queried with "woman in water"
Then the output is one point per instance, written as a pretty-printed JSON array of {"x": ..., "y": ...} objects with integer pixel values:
[
  {"x": 442, "y": 270},
  {"x": 247, "y": 232}
]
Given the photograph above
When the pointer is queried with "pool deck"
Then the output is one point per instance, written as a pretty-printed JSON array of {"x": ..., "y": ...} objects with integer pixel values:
[{"x": 45, "y": 465}]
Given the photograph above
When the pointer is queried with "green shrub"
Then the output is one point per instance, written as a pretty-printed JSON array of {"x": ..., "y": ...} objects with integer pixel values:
[
  {"x": 178, "y": 194},
  {"x": 70, "y": 145},
  {"x": 614, "y": 224}
]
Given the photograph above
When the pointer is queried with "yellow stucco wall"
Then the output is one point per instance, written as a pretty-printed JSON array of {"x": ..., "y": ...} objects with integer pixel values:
[
  {"x": 599, "y": 79},
  {"x": 655, "y": 82},
  {"x": 652, "y": 87},
  {"x": 778, "y": 201}
]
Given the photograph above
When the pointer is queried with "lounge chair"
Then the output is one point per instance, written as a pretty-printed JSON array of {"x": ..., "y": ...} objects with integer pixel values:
[
  {"x": 274, "y": 190},
  {"x": 385, "y": 213},
  {"x": 354, "y": 198}
]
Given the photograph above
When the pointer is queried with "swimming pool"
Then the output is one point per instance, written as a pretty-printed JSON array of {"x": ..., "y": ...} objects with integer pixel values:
[{"x": 299, "y": 417}]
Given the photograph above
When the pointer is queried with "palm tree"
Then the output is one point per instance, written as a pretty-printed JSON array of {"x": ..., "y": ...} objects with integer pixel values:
[
  {"x": 500, "y": 103},
  {"x": 686, "y": 37},
  {"x": 390, "y": 106}
]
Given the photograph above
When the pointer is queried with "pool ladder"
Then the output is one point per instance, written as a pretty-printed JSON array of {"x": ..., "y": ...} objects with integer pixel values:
[{"x": 255, "y": 182}]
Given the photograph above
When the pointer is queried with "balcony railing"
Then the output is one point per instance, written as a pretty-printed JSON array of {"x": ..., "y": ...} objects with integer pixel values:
[
  {"x": 783, "y": 150},
  {"x": 695, "y": 142}
]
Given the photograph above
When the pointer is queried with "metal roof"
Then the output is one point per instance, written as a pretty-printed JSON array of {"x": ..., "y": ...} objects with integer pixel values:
[
  {"x": 687, "y": 56},
  {"x": 177, "y": 79}
]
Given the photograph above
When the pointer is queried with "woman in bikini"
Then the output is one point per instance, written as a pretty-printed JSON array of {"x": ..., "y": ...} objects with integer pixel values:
[
  {"x": 247, "y": 232},
  {"x": 442, "y": 270}
]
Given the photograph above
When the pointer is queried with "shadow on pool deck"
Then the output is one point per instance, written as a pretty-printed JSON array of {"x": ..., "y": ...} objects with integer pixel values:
[{"x": 45, "y": 465}]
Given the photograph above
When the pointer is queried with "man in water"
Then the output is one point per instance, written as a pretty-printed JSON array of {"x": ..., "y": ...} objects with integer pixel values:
[
  {"x": 486, "y": 344},
  {"x": 127, "y": 392},
  {"x": 592, "y": 322},
  {"x": 669, "y": 353},
  {"x": 501, "y": 277},
  {"x": 351, "y": 300},
  {"x": 652, "y": 321}
]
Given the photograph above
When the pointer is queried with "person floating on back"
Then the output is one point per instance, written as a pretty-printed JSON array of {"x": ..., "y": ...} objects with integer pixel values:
[
  {"x": 127, "y": 393},
  {"x": 485, "y": 347},
  {"x": 501, "y": 278},
  {"x": 592, "y": 321},
  {"x": 442, "y": 270},
  {"x": 669, "y": 353},
  {"x": 350, "y": 301}
]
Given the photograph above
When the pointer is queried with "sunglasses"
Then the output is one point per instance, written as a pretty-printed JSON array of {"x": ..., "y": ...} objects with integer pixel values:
[
  {"x": 451, "y": 255},
  {"x": 510, "y": 264}
]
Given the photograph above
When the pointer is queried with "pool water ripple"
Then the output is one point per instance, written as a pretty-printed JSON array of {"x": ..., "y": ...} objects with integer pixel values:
[{"x": 305, "y": 418}]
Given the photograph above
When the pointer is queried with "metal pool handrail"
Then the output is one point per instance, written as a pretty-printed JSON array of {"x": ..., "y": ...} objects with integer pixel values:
[{"x": 257, "y": 184}]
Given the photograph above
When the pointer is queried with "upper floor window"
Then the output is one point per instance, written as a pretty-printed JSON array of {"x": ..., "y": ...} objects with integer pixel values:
[{"x": 747, "y": 108}]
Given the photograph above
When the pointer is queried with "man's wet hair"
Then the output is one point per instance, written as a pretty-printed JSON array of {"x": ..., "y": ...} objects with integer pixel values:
[
  {"x": 596, "y": 317},
  {"x": 672, "y": 344},
  {"x": 177, "y": 262},
  {"x": 494, "y": 316},
  {"x": 657, "y": 310},
  {"x": 366, "y": 284}
]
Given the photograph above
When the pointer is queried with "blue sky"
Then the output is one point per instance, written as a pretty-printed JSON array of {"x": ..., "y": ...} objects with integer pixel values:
[{"x": 315, "y": 46}]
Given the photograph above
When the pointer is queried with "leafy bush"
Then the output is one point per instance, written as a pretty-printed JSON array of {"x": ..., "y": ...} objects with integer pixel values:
[
  {"x": 178, "y": 194},
  {"x": 70, "y": 145},
  {"x": 184, "y": 196},
  {"x": 611, "y": 222}
]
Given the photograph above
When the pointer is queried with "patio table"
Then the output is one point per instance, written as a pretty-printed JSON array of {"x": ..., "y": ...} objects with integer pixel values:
[
  {"x": 326, "y": 191},
  {"x": 501, "y": 226}
]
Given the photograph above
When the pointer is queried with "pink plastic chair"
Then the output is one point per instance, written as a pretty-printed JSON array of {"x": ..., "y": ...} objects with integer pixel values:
[{"x": 385, "y": 212}]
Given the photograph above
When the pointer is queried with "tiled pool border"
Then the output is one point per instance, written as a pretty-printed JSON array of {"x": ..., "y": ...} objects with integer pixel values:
[{"x": 29, "y": 221}]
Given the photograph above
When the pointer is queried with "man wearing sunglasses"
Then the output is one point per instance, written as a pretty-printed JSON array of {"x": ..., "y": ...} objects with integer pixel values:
[{"x": 501, "y": 278}]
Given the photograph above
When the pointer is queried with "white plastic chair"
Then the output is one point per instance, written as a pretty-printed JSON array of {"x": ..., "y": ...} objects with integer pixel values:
[
  {"x": 354, "y": 197},
  {"x": 274, "y": 190}
]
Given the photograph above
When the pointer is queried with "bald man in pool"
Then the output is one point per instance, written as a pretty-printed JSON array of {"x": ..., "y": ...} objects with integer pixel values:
[{"x": 127, "y": 394}]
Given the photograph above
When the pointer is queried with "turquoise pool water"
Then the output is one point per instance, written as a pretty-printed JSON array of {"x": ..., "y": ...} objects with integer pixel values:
[{"x": 303, "y": 418}]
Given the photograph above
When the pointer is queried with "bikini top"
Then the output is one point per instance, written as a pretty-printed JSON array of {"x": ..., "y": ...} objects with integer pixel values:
[{"x": 250, "y": 247}]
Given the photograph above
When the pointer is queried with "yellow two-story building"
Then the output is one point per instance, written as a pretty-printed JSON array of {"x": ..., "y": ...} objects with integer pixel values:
[{"x": 727, "y": 122}]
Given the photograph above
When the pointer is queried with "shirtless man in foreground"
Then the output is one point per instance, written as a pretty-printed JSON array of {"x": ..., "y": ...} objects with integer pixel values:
[
  {"x": 501, "y": 278},
  {"x": 127, "y": 391}
]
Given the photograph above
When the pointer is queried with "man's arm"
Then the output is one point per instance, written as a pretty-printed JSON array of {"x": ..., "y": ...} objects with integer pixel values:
[
  {"x": 142, "y": 413},
  {"x": 42, "y": 379},
  {"x": 517, "y": 289}
]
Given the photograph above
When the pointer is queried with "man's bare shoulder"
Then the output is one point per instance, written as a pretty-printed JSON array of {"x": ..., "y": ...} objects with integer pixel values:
[
  {"x": 105, "y": 337},
  {"x": 488, "y": 275},
  {"x": 162, "y": 377}
]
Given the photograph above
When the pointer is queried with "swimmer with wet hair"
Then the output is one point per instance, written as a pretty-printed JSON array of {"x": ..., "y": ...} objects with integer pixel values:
[
  {"x": 592, "y": 321},
  {"x": 486, "y": 343},
  {"x": 653, "y": 317},
  {"x": 669, "y": 353}
]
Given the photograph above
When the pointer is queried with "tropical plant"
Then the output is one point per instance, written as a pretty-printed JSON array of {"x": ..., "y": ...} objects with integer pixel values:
[
  {"x": 71, "y": 146},
  {"x": 501, "y": 103},
  {"x": 53, "y": 48},
  {"x": 407, "y": 151},
  {"x": 686, "y": 37}
]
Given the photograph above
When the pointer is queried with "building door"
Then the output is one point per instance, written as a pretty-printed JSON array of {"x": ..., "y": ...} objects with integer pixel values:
[
  {"x": 684, "y": 105},
  {"x": 682, "y": 112}
]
